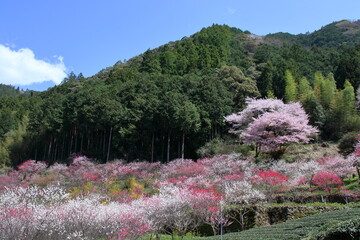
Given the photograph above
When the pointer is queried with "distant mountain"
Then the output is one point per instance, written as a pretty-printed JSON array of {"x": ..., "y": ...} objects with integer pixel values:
[
  {"x": 258, "y": 57},
  {"x": 8, "y": 90},
  {"x": 16, "y": 90},
  {"x": 333, "y": 35},
  {"x": 42, "y": 86}
]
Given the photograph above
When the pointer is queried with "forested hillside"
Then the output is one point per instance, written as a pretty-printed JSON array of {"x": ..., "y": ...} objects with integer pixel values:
[
  {"x": 6, "y": 90},
  {"x": 168, "y": 102}
]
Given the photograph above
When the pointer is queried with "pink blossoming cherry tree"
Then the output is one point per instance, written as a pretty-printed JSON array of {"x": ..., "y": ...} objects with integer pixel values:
[{"x": 271, "y": 125}]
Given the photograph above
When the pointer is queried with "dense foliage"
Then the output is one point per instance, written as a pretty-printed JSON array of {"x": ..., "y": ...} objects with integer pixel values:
[
  {"x": 311, "y": 227},
  {"x": 170, "y": 101},
  {"x": 6, "y": 90}
]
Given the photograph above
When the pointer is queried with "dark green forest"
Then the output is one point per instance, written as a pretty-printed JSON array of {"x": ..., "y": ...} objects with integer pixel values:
[{"x": 168, "y": 102}]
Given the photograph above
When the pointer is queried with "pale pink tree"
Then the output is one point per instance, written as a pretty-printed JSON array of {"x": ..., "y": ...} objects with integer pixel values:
[
  {"x": 242, "y": 192},
  {"x": 274, "y": 127},
  {"x": 238, "y": 196},
  {"x": 356, "y": 156},
  {"x": 254, "y": 109},
  {"x": 338, "y": 165},
  {"x": 300, "y": 172}
]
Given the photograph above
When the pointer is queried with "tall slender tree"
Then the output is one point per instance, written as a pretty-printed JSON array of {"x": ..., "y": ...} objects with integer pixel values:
[{"x": 290, "y": 87}]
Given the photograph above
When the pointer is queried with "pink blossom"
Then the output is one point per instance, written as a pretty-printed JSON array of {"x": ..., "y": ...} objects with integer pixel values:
[
  {"x": 270, "y": 178},
  {"x": 271, "y": 124},
  {"x": 254, "y": 109},
  {"x": 31, "y": 166},
  {"x": 338, "y": 165},
  {"x": 326, "y": 181}
]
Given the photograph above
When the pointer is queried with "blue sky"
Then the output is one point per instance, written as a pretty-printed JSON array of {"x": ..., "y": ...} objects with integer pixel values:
[{"x": 46, "y": 39}]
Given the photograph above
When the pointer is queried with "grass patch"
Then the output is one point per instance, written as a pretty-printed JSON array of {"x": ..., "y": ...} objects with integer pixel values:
[{"x": 311, "y": 151}]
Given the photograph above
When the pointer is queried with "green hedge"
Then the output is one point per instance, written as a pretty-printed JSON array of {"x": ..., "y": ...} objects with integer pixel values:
[
  {"x": 346, "y": 230},
  {"x": 294, "y": 229}
]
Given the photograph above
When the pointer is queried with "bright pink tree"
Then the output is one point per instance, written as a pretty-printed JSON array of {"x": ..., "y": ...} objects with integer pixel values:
[
  {"x": 270, "y": 178},
  {"x": 270, "y": 181},
  {"x": 326, "y": 181}
]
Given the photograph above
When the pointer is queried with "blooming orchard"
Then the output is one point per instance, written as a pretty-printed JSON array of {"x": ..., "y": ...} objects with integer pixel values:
[{"x": 124, "y": 201}]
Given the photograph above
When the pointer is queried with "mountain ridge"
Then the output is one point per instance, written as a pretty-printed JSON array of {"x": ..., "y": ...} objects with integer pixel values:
[
  {"x": 334, "y": 35},
  {"x": 171, "y": 100}
]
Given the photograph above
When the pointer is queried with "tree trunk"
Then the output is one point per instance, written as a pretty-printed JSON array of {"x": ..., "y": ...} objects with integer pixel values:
[
  {"x": 82, "y": 142},
  {"x": 179, "y": 148},
  {"x": 183, "y": 146},
  {"x": 109, "y": 145},
  {"x": 257, "y": 149},
  {"x": 168, "y": 148},
  {"x": 88, "y": 139},
  {"x": 70, "y": 146},
  {"x": 152, "y": 148},
  {"x": 44, "y": 152},
  {"x": 49, "y": 150},
  {"x": 62, "y": 148},
  {"x": 55, "y": 150},
  {"x": 162, "y": 148},
  {"x": 104, "y": 149},
  {"x": 76, "y": 140},
  {"x": 242, "y": 224}
]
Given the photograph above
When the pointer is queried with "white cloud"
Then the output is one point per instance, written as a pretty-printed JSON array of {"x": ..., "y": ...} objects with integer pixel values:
[
  {"x": 231, "y": 11},
  {"x": 22, "y": 68}
]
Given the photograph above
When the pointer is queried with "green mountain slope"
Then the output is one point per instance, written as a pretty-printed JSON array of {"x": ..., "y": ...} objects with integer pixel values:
[
  {"x": 7, "y": 90},
  {"x": 333, "y": 35},
  {"x": 171, "y": 100}
]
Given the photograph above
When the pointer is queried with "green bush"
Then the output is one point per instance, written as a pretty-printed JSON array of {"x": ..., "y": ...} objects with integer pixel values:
[
  {"x": 347, "y": 142},
  {"x": 218, "y": 146},
  {"x": 346, "y": 230},
  {"x": 351, "y": 180},
  {"x": 211, "y": 148},
  {"x": 300, "y": 228}
]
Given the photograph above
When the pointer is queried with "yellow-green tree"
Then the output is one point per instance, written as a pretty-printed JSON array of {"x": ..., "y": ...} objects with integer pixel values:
[
  {"x": 290, "y": 87},
  {"x": 304, "y": 89},
  {"x": 328, "y": 91},
  {"x": 318, "y": 81}
]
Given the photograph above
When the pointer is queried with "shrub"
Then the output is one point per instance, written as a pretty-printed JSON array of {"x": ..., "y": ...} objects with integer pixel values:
[
  {"x": 44, "y": 180},
  {"x": 347, "y": 143},
  {"x": 211, "y": 148},
  {"x": 346, "y": 230}
]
